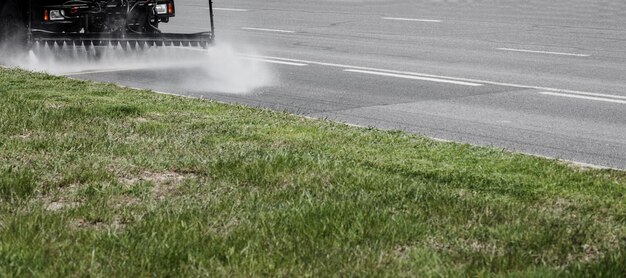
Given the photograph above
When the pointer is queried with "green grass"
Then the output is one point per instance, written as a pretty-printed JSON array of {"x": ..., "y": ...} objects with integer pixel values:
[{"x": 96, "y": 180}]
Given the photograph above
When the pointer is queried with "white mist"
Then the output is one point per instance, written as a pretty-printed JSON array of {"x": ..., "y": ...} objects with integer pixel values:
[{"x": 220, "y": 68}]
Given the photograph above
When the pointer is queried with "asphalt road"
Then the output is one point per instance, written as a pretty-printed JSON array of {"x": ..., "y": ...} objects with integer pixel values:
[{"x": 533, "y": 76}]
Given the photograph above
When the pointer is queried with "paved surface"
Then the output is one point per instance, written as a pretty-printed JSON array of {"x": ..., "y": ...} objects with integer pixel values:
[{"x": 534, "y": 76}]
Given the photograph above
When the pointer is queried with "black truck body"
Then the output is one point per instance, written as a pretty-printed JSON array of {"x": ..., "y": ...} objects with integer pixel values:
[{"x": 125, "y": 23}]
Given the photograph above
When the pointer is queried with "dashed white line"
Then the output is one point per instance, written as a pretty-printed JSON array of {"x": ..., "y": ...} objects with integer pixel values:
[
  {"x": 543, "y": 52},
  {"x": 276, "y": 62},
  {"x": 230, "y": 9},
  {"x": 412, "y": 19},
  {"x": 584, "y": 97},
  {"x": 266, "y": 30},
  {"x": 413, "y": 77}
]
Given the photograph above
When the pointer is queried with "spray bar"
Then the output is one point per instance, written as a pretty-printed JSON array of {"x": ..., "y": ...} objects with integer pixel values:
[{"x": 141, "y": 40}]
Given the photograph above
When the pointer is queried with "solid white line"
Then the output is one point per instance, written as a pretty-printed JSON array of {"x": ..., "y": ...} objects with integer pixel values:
[
  {"x": 412, "y": 19},
  {"x": 266, "y": 30},
  {"x": 230, "y": 9},
  {"x": 592, "y": 94},
  {"x": 543, "y": 52},
  {"x": 141, "y": 68},
  {"x": 522, "y": 86},
  {"x": 277, "y": 62},
  {"x": 584, "y": 97},
  {"x": 414, "y": 77},
  {"x": 97, "y": 71}
]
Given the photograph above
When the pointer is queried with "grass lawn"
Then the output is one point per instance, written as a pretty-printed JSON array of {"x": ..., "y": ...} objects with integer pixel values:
[{"x": 97, "y": 180}]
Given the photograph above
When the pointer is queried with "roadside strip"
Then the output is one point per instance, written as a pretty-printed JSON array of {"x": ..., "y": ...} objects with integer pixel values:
[
  {"x": 546, "y": 91},
  {"x": 478, "y": 81}
]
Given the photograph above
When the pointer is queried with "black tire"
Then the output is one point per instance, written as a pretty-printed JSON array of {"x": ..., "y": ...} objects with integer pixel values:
[{"x": 13, "y": 26}]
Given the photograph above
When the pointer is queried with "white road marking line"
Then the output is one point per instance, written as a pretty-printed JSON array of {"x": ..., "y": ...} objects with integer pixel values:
[
  {"x": 97, "y": 71},
  {"x": 412, "y": 19},
  {"x": 276, "y": 62},
  {"x": 486, "y": 82},
  {"x": 141, "y": 68},
  {"x": 414, "y": 77},
  {"x": 544, "y": 52},
  {"x": 584, "y": 97},
  {"x": 593, "y": 94},
  {"x": 266, "y": 30},
  {"x": 230, "y": 9}
]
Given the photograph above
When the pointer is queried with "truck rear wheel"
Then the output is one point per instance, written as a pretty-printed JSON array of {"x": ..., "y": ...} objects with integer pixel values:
[{"x": 12, "y": 26}]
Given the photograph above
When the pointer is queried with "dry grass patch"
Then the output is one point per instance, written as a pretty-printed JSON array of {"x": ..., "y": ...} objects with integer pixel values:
[
  {"x": 61, "y": 205},
  {"x": 122, "y": 201},
  {"x": 81, "y": 224},
  {"x": 167, "y": 177},
  {"x": 165, "y": 184}
]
